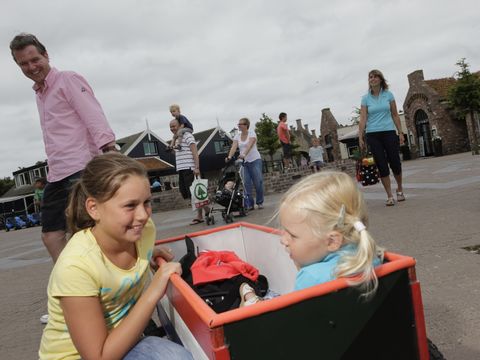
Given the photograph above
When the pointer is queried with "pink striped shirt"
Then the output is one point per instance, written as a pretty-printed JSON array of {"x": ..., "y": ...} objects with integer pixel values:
[{"x": 73, "y": 123}]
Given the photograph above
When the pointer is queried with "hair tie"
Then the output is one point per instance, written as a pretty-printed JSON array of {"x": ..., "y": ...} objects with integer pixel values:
[{"x": 359, "y": 226}]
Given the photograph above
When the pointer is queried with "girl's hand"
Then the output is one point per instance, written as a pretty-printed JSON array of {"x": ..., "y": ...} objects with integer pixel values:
[
  {"x": 163, "y": 252},
  {"x": 167, "y": 269}
]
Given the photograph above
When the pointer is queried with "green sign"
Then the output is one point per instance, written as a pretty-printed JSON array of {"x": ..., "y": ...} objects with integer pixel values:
[{"x": 200, "y": 191}]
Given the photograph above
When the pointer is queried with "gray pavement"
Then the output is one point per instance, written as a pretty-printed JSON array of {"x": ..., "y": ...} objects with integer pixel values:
[{"x": 439, "y": 218}]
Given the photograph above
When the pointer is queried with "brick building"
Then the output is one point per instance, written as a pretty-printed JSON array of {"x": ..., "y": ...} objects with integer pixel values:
[
  {"x": 427, "y": 115},
  {"x": 303, "y": 136},
  {"x": 329, "y": 136}
]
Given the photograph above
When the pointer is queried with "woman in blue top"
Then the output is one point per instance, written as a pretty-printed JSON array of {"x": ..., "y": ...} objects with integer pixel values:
[{"x": 379, "y": 118}]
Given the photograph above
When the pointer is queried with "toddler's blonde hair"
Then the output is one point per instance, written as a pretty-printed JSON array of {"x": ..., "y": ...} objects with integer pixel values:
[
  {"x": 174, "y": 107},
  {"x": 319, "y": 199}
]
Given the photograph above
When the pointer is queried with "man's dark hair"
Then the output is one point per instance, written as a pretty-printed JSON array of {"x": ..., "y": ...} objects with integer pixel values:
[
  {"x": 21, "y": 41},
  {"x": 282, "y": 115}
]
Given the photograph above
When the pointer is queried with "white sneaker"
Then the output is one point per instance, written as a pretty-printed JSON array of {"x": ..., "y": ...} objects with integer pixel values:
[
  {"x": 44, "y": 319},
  {"x": 246, "y": 289}
]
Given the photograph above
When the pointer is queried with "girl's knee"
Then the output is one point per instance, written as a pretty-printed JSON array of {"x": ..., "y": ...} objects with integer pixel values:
[{"x": 156, "y": 348}]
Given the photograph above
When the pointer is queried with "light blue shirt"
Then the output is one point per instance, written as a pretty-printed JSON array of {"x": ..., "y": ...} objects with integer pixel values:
[
  {"x": 323, "y": 271},
  {"x": 379, "y": 116}
]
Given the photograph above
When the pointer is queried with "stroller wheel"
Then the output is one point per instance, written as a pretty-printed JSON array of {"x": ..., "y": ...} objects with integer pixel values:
[
  {"x": 212, "y": 219},
  {"x": 229, "y": 218},
  {"x": 207, "y": 220}
]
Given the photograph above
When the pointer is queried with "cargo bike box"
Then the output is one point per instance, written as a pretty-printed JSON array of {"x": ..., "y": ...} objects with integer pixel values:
[{"x": 327, "y": 321}]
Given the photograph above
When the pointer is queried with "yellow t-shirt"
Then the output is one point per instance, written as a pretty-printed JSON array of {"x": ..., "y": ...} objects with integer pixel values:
[{"x": 83, "y": 270}]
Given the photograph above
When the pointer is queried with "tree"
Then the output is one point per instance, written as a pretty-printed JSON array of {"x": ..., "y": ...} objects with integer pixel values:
[
  {"x": 355, "y": 115},
  {"x": 267, "y": 138},
  {"x": 464, "y": 97},
  {"x": 5, "y": 184}
]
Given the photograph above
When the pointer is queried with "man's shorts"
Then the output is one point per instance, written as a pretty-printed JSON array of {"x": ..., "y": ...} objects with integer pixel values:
[
  {"x": 287, "y": 150},
  {"x": 55, "y": 201},
  {"x": 185, "y": 180}
]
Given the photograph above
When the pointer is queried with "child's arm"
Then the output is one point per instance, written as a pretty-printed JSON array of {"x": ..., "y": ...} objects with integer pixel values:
[{"x": 86, "y": 324}]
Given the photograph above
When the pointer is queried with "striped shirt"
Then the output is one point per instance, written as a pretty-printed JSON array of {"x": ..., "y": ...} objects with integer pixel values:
[{"x": 184, "y": 156}]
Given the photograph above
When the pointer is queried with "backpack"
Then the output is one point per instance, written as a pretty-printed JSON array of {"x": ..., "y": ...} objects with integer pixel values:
[{"x": 220, "y": 295}]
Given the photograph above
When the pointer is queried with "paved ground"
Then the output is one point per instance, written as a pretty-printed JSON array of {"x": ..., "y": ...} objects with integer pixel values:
[{"x": 439, "y": 218}]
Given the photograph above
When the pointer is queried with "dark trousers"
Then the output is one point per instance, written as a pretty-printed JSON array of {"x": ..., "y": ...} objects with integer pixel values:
[{"x": 385, "y": 148}]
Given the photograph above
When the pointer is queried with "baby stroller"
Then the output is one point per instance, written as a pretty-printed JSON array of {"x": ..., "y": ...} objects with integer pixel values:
[{"x": 229, "y": 193}]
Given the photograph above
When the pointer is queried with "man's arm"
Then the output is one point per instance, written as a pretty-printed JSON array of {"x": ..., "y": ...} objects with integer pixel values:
[
  {"x": 193, "y": 149},
  {"x": 82, "y": 99}
]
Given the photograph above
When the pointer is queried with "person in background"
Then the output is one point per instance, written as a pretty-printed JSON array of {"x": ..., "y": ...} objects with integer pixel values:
[
  {"x": 74, "y": 128},
  {"x": 246, "y": 141},
  {"x": 98, "y": 288},
  {"x": 379, "y": 119},
  {"x": 39, "y": 186},
  {"x": 184, "y": 127},
  {"x": 316, "y": 155},
  {"x": 284, "y": 137},
  {"x": 156, "y": 185},
  {"x": 188, "y": 167}
]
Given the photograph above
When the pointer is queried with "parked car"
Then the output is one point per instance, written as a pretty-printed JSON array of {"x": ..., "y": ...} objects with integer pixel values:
[
  {"x": 15, "y": 223},
  {"x": 35, "y": 218},
  {"x": 30, "y": 220}
]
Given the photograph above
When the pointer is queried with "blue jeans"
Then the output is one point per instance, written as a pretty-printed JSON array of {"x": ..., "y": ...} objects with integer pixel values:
[
  {"x": 253, "y": 175},
  {"x": 157, "y": 348}
]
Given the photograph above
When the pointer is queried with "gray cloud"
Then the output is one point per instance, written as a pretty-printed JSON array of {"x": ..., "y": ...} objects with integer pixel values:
[{"x": 221, "y": 60}]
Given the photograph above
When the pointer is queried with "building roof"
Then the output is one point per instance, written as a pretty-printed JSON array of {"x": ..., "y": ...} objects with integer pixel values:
[
  {"x": 441, "y": 86},
  {"x": 19, "y": 191},
  {"x": 350, "y": 135},
  {"x": 154, "y": 163},
  {"x": 204, "y": 137},
  {"x": 201, "y": 137},
  {"x": 127, "y": 141}
]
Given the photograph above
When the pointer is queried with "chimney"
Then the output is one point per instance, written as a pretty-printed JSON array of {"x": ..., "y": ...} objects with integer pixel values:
[
  {"x": 299, "y": 124},
  {"x": 415, "y": 77},
  {"x": 313, "y": 133},
  {"x": 306, "y": 128},
  {"x": 292, "y": 128}
]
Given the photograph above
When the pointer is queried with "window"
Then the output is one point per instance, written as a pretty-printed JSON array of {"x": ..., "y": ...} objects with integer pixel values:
[
  {"x": 150, "y": 148},
  {"x": 222, "y": 147},
  {"x": 352, "y": 149},
  {"x": 328, "y": 139}
]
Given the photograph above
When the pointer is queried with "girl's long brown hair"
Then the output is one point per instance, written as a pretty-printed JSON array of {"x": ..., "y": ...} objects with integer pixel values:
[{"x": 101, "y": 179}]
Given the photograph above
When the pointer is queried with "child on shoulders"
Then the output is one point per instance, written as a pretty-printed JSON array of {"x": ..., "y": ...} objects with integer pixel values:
[{"x": 185, "y": 126}]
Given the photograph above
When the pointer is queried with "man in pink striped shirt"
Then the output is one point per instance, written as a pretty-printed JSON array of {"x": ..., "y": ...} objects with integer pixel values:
[{"x": 74, "y": 130}]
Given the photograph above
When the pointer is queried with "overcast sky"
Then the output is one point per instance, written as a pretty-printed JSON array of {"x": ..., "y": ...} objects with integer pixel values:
[{"x": 225, "y": 60}]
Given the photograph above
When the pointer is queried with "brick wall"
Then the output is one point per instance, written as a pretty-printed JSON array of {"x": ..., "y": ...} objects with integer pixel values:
[
  {"x": 421, "y": 96},
  {"x": 274, "y": 182}
]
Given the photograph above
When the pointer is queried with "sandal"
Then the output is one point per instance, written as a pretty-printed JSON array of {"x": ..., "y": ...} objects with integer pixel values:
[
  {"x": 246, "y": 289},
  {"x": 400, "y": 196},
  {"x": 196, "y": 221},
  {"x": 390, "y": 201}
]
